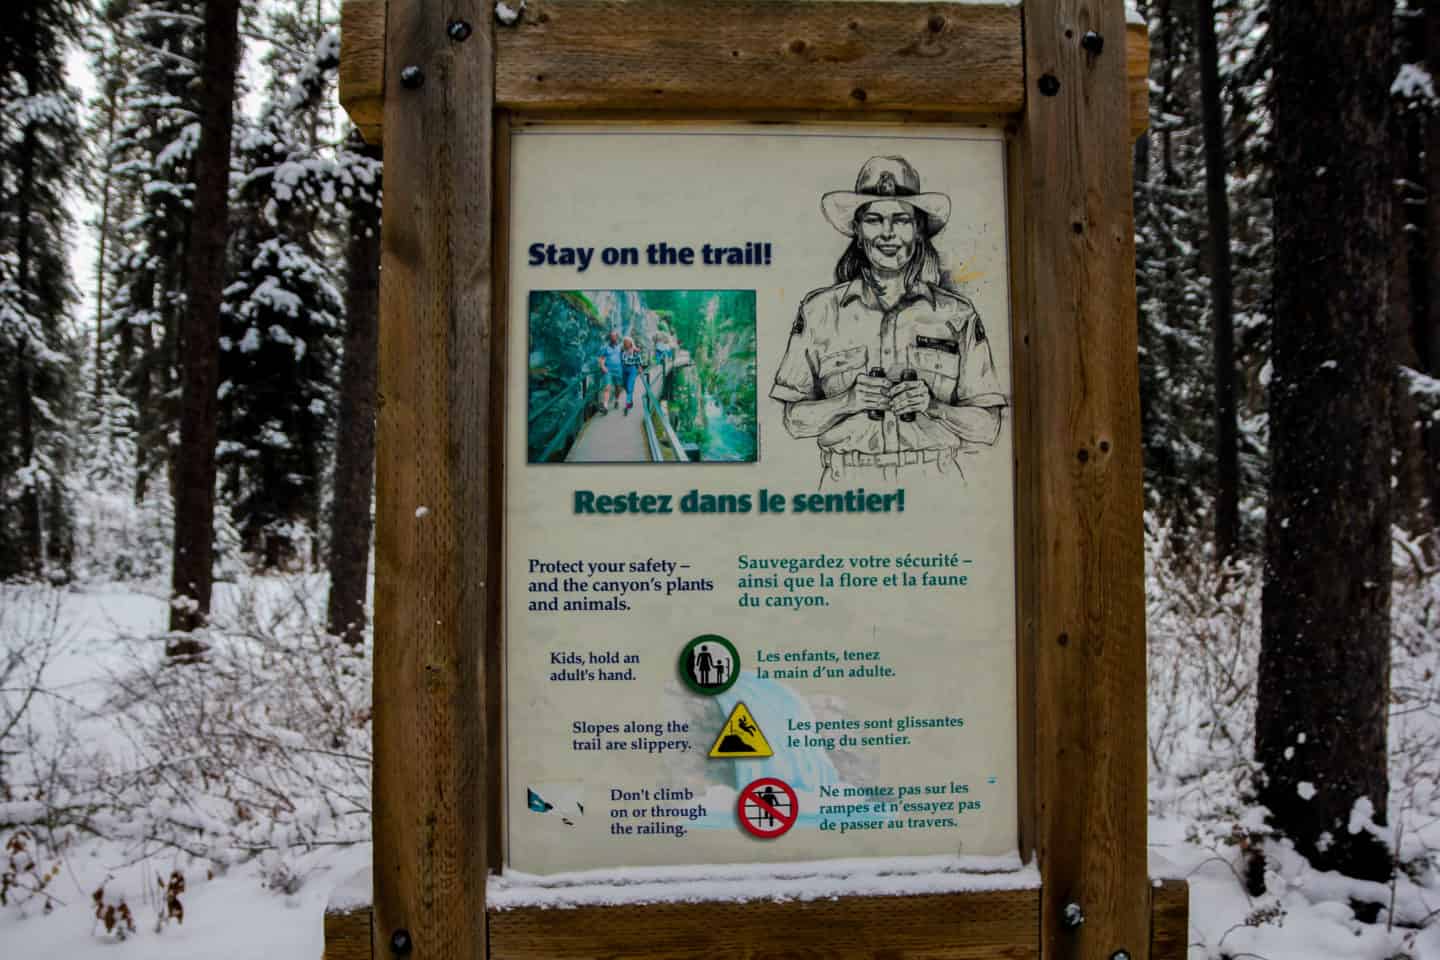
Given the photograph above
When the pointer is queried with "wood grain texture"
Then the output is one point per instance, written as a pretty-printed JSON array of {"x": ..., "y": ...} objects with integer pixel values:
[
  {"x": 786, "y": 63},
  {"x": 1026, "y": 504},
  {"x": 1137, "y": 76},
  {"x": 431, "y": 741},
  {"x": 347, "y": 934},
  {"x": 362, "y": 65},
  {"x": 1169, "y": 920},
  {"x": 750, "y": 54},
  {"x": 1080, "y": 470},
  {"x": 963, "y": 926},
  {"x": 495, "y": 638}
]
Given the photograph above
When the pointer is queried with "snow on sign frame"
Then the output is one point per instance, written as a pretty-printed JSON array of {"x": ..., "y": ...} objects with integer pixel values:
[{"x": 719, "y": 183}]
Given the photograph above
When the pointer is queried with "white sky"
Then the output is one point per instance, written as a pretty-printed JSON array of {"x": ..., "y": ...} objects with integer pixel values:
[{"x": 84, "y": 205}]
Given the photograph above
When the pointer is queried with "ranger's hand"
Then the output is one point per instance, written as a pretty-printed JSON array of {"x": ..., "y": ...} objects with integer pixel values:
[
  {"x": 870, "y": 393},
  {"x": 909, "y": 396}
]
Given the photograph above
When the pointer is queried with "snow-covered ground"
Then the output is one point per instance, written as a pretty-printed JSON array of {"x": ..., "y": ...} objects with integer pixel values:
[
  {"x": 249, "y": 784},
  {"x": 249, "y": 889}
]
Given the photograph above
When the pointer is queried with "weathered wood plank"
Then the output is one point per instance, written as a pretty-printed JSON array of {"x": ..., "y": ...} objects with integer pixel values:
[
  {"x": 433, "y": 433},
  {"x": 495, "y": 636},
  {"x": 1026, "y": 503},
  {"x": 1169, "y": 920},
  {"x": 1137, "y": 76},
  {"x": 347, "y": 934},
  {"x": 963, "y": 926},
  {"x": 362, "y": 65},
  {"x": 1080, "y": 463},
  {"x": 750, "y": 55}
]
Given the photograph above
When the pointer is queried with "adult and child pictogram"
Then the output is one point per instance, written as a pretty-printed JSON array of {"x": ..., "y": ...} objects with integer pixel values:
[{"x": 709, "y": 664}]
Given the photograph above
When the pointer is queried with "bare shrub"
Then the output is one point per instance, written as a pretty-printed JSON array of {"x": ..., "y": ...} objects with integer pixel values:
[
  {"x": 30, "y": 639},
  {"x": 23, "y": 879},
  {"x": 1204, "y": 645},
  {"x": 263, "y": 745}
]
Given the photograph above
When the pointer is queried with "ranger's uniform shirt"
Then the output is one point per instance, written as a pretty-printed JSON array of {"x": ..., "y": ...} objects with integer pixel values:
[{"x": 843, "y": 331}]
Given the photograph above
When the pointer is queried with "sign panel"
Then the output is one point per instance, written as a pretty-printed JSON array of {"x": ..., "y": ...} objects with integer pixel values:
[{"x": 759, "y": 496}]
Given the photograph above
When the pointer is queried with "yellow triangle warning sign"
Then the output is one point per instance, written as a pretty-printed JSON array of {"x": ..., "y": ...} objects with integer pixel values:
[{"x": 740, "y": 737}]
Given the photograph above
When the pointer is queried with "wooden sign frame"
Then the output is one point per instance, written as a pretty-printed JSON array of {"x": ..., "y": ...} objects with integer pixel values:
[{"x": 439, "y": 84}]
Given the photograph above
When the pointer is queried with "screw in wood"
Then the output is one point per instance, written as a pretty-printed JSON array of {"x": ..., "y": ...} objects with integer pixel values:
[
  {"x": 1073, "y": 916},
  {"x": 458, "y": 30},
  {"x": 1049, "y": 85},
  {"x": 1120, "y": 955},
  {"x": 400, "y": 943},
  {"x": 412, "y": 77},
  {"x": 1092, "y": 42}
]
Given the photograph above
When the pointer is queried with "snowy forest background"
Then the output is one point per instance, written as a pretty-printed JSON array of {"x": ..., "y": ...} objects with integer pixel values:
[{"x": 194, "y": 786}]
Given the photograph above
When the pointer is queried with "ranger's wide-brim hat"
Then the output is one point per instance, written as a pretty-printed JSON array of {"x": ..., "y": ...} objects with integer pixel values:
[{"x": 884, "y": 178}]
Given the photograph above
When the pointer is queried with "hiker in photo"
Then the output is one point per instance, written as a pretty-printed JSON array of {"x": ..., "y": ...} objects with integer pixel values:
[
  {"x": 889, "y": 369},
  {"x": 612, "y": 369},
  {"x": 632, "y": 361},
  {"x": 589, "y": 349}
]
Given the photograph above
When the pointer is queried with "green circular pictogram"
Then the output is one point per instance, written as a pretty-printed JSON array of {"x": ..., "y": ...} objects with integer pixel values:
[{"x": 709, "y": 664}]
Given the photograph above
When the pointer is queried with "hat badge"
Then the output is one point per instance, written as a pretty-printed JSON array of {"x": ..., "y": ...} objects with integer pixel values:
[{"x": 892, "y": 178}]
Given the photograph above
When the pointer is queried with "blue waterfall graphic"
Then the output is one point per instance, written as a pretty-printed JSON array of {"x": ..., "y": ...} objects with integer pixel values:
[
  {"x": 806, "y": 769},
  {"x": 771, "y": 703}
]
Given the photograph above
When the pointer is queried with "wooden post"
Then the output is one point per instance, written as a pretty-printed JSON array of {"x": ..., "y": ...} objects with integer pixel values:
[
  {"x": 1079, "y": 550},
  {"x": 433, "y": 490},
  {"x": 1079, "y": 456}
]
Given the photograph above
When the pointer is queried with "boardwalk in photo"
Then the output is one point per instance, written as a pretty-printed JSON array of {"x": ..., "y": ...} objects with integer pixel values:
[
  {"x": 616, "y": 437},
  {"x": 612, "y": 437}
]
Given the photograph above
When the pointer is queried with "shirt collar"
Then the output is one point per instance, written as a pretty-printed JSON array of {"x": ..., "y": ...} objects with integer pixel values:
[{"x": 859, "y": 289}]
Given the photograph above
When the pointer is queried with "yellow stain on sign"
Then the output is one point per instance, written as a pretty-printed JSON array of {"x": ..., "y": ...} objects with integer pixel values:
[{"x": 740, "y": 737}]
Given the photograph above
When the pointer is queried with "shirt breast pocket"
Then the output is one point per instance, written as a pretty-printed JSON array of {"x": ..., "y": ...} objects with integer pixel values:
[
  {"x": 938, "y": 363},
  {"x": 838, "y": 370}
]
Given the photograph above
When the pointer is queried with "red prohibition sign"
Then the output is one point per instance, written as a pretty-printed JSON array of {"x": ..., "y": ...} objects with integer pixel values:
[{"x": 768, "y": 808}]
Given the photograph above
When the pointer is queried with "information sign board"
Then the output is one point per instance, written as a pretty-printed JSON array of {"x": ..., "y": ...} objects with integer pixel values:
[{"x": 759, "y": 509}]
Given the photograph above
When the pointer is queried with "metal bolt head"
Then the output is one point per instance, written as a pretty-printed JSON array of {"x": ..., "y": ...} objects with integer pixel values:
[
  {"x": 1092, "y": 42},
  {"x": 400, "y": 944},
  {"x": 1072, "y": 916},
  {"x": 458, "y": 30},
  {"x": 412, "y": 77},
  {"x": 1120, "y": 955},
  {"x": 1049, "y": 85}
]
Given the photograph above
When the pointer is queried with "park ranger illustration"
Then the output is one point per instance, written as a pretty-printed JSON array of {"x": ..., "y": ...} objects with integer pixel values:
[{"x": 888, "y": 369}]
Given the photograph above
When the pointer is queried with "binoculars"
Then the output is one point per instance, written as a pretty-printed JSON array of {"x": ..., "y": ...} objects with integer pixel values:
[{"x": 907, "y": 375}]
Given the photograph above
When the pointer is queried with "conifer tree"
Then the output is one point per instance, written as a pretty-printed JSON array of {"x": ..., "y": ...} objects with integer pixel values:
[
  {"x": 160, "y": 49},
  {"x": 354, "y": 472},
  {"x": 1217, "y": 197},
  {"x": 39, "y": 151},
  {"x": 192, "y": 575},
  {"x": 284, "y": 310},
  {"x": 1170, "y": 282}
]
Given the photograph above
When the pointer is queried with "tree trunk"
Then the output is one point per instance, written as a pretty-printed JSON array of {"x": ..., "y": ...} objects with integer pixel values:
[
  {"x": 32, "y": 532},
  {"x": 355, "y": 429},
  {"x": 195, "y": 470},
  {"x": 1227, "y": 457},
  {"x": 111, "y": 109},
  {"x": 142, "y": 374},
  {"x": 1428, "y": 326},
  {"x": 1325, "y": 634},
  {"x": 1409, "y": 290},
  {"x": 1170, "y": 292}
]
